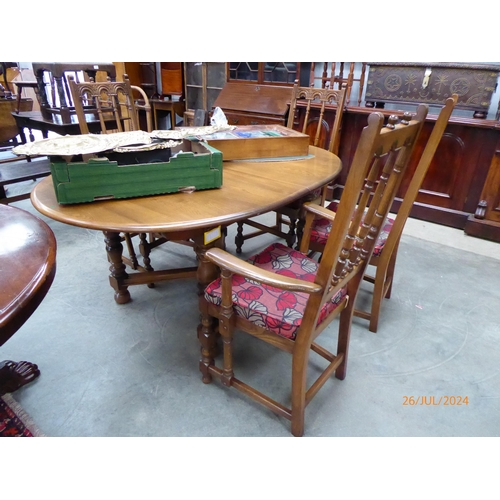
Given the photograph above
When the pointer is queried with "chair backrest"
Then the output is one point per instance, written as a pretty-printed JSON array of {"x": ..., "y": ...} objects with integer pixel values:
[
  {"x": 419, "y": 174},
  {"x": 328, "y": 77},
  {"x": 313, "y": 97},
  {"x": 110, "y": 101},
  {"x": 143, "y": 104},
  {"x": 379, "y": 163}
]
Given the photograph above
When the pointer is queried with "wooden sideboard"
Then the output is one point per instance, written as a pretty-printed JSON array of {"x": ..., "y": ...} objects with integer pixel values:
[{"x": 464, "y": 173}]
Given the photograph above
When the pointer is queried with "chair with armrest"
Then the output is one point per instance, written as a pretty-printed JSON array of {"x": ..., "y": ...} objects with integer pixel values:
[
  {"x": 143, "y": 104},
  {"x": 287, "y": 299},
  {"x": 321, "y": 135},
  {"x": 386, "y": 248}
]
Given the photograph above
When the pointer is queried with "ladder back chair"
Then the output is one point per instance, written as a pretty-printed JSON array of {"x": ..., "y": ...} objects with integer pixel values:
[
  {"x": 386, "y": 248},
  {"x": 114, "y": 105},
  {"x": 287, "y": 299},
  {"x": 112, "y": 102},
  {"x": 320, "y": 133}
]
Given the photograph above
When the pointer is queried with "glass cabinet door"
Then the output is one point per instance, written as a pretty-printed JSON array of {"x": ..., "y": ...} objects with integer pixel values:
[
  {"x": 280, "y": 72},
  {"x": 216, "y": 79},
  {"x": 193, "y": 74},
  {"x": 203, "y": 82},
  {"x": 248, "y": 71}
]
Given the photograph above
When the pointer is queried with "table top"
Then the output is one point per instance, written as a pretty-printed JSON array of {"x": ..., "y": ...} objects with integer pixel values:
[
  {"x": 27, "y": 266},
  {"x": 249, "y": 188}
]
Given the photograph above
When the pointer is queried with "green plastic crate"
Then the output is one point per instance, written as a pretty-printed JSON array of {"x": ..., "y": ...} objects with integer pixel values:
[{"x": 199, "y": 166}]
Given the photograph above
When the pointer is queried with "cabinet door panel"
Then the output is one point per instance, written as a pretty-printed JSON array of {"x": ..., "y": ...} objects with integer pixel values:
[{"x": 440, "y": 184}]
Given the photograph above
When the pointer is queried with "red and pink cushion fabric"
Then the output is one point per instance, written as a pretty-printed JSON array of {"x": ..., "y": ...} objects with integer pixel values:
[
  {"x": 321, "y": 229},
  {"x": 269, "y": 307}
]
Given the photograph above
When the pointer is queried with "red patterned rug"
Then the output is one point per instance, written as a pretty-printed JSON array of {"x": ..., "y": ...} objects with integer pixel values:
[{"x": 14, "y": 421}]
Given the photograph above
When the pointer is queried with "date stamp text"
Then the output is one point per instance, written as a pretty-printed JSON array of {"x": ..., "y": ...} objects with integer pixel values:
[{"x": 435, "y": 400}]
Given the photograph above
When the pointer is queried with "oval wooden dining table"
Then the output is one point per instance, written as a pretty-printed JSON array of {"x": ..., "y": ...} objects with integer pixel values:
[
  {"x": 27, "y": 267},
  {"x": 249, "y": 188}
]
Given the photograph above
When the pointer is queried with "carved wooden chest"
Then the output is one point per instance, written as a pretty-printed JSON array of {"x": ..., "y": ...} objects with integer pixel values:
[{"x": 432, "y": 83}]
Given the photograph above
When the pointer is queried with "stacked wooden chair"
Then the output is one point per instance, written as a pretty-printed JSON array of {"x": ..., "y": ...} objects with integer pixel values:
[
  {"x": 288, "y": 299},
  {"x": 386, "y": 247},
  {"x": 289, "y": 219}
]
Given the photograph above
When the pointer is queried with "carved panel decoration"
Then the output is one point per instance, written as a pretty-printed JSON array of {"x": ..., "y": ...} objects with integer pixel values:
[{"x": 432, "y": 83}]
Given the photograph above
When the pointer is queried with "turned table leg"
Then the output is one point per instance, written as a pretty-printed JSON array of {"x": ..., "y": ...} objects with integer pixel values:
[
  {"x": 114, "y": 250},
  {"x": 207, "y": 334}
]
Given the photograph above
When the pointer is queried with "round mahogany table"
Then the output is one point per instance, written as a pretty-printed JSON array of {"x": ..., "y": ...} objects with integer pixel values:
[
  {"x": 249, "y": 188},
  {"x": 27, "y": 267}
]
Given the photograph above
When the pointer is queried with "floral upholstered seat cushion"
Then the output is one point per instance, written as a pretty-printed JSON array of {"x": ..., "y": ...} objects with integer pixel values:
[
  {"x": 321, "y": 229},
  {"x": 278, "y": 310}
]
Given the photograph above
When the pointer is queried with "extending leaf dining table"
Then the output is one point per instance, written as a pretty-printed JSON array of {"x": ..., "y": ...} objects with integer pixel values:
[{"x": 250, "y": 188}]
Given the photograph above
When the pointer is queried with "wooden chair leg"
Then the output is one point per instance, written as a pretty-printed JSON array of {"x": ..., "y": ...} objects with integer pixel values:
[
  {"x": 145, "y": 249},
  {"x": 131, "y": 250},
  {"x": 301, "y": 222},
  {"x": 345, "y": 322},
  {"x": 299, "y": 381},
  {"x": 226, "y": 333},
  {"x": 390, "y": 272},
  {"x": 377, "y": 297},
  {"x": 382, "y": 289},
  {"x": 239, "y": 240},
  {"x": 208, "y": 341},
  {"x": 291, "y": 236}
]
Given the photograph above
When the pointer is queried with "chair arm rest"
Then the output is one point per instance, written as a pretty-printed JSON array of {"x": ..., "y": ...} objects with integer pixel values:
[
  {"x": 319, "y": 210},
  {"x": 234, "y": 264}
]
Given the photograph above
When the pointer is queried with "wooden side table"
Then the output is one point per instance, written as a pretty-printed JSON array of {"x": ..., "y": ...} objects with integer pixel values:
[{"x": 172, "y": 107}]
